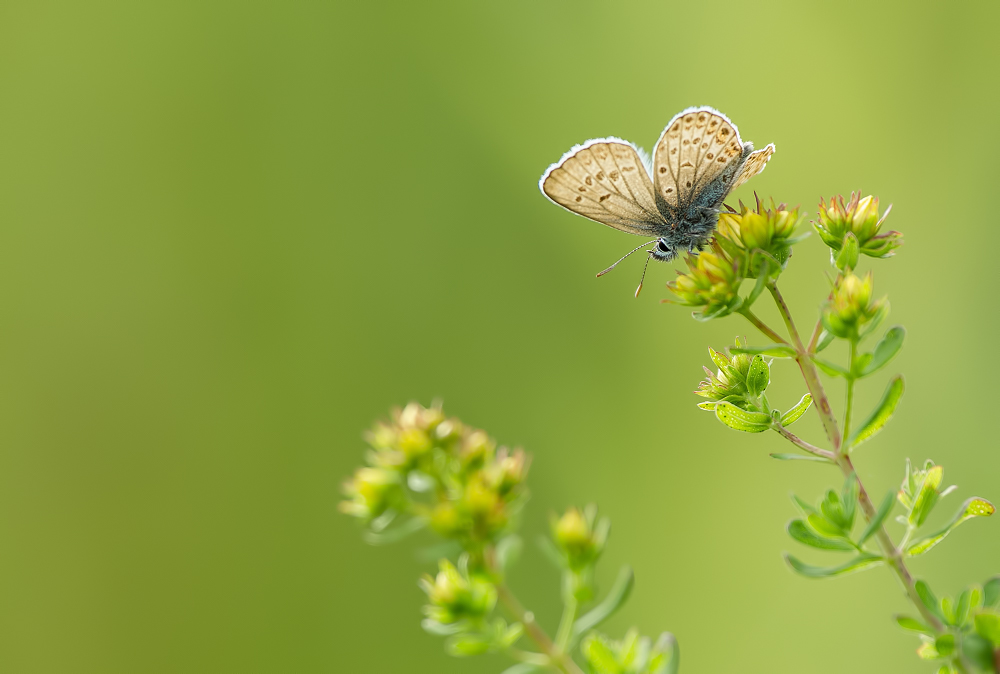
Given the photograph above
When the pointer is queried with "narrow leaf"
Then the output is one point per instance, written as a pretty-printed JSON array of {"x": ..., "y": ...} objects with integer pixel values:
[
  {"x": 825, "y": 339},
  {"x": 741, "y": 420},
  {"x": 860, "y": 563},
  {"x": 882, "y": 412},
  {"x": 880, "y": 516},
  {"x": 991, "y": 592},
  {"x": 398, "y": 533},
  {"x": 798, "y": 530},
  {"x": 784, "y": 456},
  {"x": 928, "y": 598},
  {"x": 847, "y": 258},
  {"x": 758, "y": 288},
  {"x": 802, "y": 505},
  {"x": 829, "y": 368},
  {"x": 772, "y": 350},
  {"x": 885, "y": 350},
  {"x": 720, "y": 359},
  {"x": 792, "y": 415},
  {"x": 927, "y": 497},
  {"x": 667, "y": 645},
  {"x": 617, "y": 596},
  {"x": 974, "y": 507},
  {"x": 759, "y": 376},
  {"x": 914, "y": 625},
  {"x": 988, "y": 626},
  {"x": 465, "y": 645}
]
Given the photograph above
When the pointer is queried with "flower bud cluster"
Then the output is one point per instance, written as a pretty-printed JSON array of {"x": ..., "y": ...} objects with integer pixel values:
[
  {"x": 580, "y": 536},
  {"x": 859, "y": 217},
  {"x": 850, "y": 311},
  {"x": 455, "y": 596},
  {"x": 761, "y": 238},
  {"x": 741, "y": 380},
  {"x": 712, "y": 282},
  {"x": 431, "y": 467}
]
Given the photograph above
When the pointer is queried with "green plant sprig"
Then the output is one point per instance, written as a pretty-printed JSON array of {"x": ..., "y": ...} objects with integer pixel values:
[
  {"x": 964, "y": 634},
  {"x": 426, "y": 471}
]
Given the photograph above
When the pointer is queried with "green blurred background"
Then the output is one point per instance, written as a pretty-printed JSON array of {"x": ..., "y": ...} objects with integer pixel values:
[{"x": 233, "y": 234}]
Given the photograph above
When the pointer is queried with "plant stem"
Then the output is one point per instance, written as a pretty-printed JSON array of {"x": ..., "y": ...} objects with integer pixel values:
[
  {"x": 809, "y": 372},
  {"x": 760, "y": 325},
  {"x": 560, "y": 660},
  {"x": 849, "y": 405},
  {"x": 565, "y": 630},
  {"x": 799, "y": 442},
  {"x": 893, "y": 555}
]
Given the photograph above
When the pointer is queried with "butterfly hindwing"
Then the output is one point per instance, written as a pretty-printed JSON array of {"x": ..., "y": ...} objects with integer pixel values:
[
  {"x": 696, "y": 147},
  {"x": 754, "y": 164},
  {"x": 607, "y": 181}
]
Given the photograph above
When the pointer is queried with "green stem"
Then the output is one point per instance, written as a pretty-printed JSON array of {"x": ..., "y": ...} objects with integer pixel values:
[
  {"x": 799, "y": 442},
  {"x": 809, "y": 372},
  {"x": 892, "y": 554},
  {"x": 760, "y": 325},
  {"x": 849, "y": 405},
  {"x": 565, "y": 631},
  {"x": 558, "y": 659}
]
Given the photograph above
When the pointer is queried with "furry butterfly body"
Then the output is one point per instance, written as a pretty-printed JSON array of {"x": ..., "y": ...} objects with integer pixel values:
[{"x": 673, "y": 196}]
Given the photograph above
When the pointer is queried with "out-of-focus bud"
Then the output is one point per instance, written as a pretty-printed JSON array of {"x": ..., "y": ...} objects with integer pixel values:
[
  {"x": 712, "y": 282},
  {"x": 860, "y": 217},
  {"x": 511, "y": 469},
  {"x": 579, "y": 536},
  {"x": 457, "y": 597},
  {"x": 760, "y": 236},
  {"x": 850, "y": 308},
  {"x": 371, "y": 491},
  {"x": 921, "y": 490}
]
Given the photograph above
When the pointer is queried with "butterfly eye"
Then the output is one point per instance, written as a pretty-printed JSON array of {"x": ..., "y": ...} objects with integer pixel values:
[{"x": 662, "y": 247}]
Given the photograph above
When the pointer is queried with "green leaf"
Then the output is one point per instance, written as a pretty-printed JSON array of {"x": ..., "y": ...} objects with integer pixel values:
[
  {"x": 829, "y": 368},
  {"x": 859, "y": 563},
  {"x": 508, "y": 550},
  {"x": 802, "y": 505},
  {"x": 927, "y": 497},
  {"x": 599, "y": 655},
  {"x": 465, "y": 645},
  {"x": 824, "y": 527},
  {"x": 759, "y": 376},
  {"x": 979, "y": 650},
  {"x": 880, "y": 516},
  {"x": 991, "y": 592},
  {"x": 876, "y": 321},
  {"x": 398, "y": 533},
  {"x": 967, "y": 601},
  {"x": 847, "y": 258},
  {"x": 667, "y": 645},
  {"x": 945, "y": 644},
  {"x": 825, "y": 339},
  {"x": 792, "y": 415},
  {"x": 973, "y": 507},
  {"x": 885, "y": 350},
  {"x": 988, "y": 626},
  {"x": 882, "y": 412},
  {"x": 798, "y": 530},
  {"x": 784, "y": 456},
  {"x": 772, "y": 350},
  {"x": 763, "y": 275},
  {"x": 525, "y": 668},
  {"x": 440, "y": 629},
  {"x": 741, "y": 420},
  {"x": 616, "y": 598},
  {"x": 720, "y": 359},
  {"x": 928, "y": 598},
  {"x": 914, "y": 625}
]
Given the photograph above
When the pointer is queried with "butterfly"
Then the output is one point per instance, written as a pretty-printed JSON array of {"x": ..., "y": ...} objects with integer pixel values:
[{"x": 674, "y": 196}]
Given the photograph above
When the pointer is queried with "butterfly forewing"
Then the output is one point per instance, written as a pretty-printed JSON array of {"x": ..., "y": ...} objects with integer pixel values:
[
  {"x": 754, "y": 164},
  {"x": 605, "y": 180},
  {"x": 696, "y": 146}
]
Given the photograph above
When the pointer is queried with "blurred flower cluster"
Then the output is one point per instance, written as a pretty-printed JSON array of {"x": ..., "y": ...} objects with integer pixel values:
[
  {"x": 440, "y": 472},
  {"x": 632, "y": 655}
]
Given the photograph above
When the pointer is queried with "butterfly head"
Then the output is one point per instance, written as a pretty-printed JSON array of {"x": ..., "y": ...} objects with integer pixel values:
[{"x": 663, "y": 251}]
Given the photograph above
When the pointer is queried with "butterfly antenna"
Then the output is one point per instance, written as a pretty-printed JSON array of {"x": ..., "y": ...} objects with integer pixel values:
[
  {"x": 602, "y": 273},
  {"x": 644, "y": 267}
]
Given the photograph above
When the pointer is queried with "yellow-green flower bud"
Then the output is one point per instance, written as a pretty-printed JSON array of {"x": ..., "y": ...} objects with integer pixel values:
[
  {"x": 371, "y": 491},
  {"x": 740, "y": 380},
  {"x": 860, "y": 217},
  {"x": 851, "y": 307},
  {"x": 579, "y": 536},
  {"x": 455, "y": 596},
  {"x": 760, "y": 236},
  {"x": 713, "y": 282}
]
